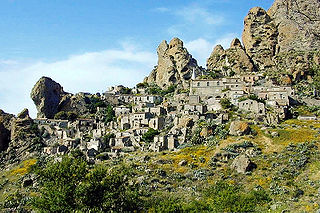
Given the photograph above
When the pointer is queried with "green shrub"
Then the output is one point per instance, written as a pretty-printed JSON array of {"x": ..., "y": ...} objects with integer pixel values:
[
  {"x": 69, "y": 186},
  {"x": 225, "y": 103},
  {"x": 109, "y": 114},
  {"x": 142, "y": 85},
  {"x": 59, "y": 182},
  {"x": 149, "y": 135},
  {"x": 223, "y": 197}
]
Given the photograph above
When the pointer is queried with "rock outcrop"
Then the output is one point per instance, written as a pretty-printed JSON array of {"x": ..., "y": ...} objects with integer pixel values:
[
  {"x": 243, "y": 164},
  {"x": 259, "y": 37},
  {"x": 25, "y": 138},
  {"x": 5, "y": 128},
  {"x": 239, "y": 128},
  {"x": 175, "y": 65},
  {"x": 298, "y": 24},
  {"x": 4, "y": 137},
  {"x": 49, "y": 98},
  {"x": 233, "y": 59},
  {"x": 283, "y": 37},
  {"x": 46, "y": 95}
]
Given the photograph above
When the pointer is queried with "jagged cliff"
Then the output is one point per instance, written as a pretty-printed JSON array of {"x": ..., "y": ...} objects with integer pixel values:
[
  {"x": 50, "y": 98},
  {"x": 175, "y": 65},
  {"x": 283, "y": 42}
]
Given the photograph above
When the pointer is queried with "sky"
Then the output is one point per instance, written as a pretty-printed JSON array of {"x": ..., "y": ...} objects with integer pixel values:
[{"x": 90, "y": 45}]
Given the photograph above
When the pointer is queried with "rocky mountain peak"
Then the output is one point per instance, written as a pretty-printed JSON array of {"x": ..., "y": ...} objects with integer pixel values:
[
  {"x": 46, "y": 95},
  {"x": 24, "y": 114},
  {"x": 176, "y": 43},
  {"x": 231, "y": 60},
  {"x": 175, "y": 65},
  {"x": 235, "y": 43}
]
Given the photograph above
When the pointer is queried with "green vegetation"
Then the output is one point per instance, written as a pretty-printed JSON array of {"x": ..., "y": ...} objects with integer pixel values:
[
  {"x": 252, "y": 97},
  {"x": 70, "y": 186},
  {"x": 142, "y": 85},
  {"x": 62, "y": 115},
  {"x": 226, "y": 103},
  {"x": 149, "y": 135},
  {"x": 126, "y": 90},
  {"x": 156, "y": 90},
  {"x": 93, "y": 103},
  {"x": 109, "y": 114}
]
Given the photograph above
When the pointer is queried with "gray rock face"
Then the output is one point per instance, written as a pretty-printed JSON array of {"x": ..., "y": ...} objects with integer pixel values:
[
  {"x": 234, "y": 58},
  {"x": 25, "y": 140},
  {"x": 5, "y": 128},
  {"x": 46, "y": 95},
  {"x": 298, "y": 24},
  {"x": 175, "y": 65},
  {"x": 260, "y": 37},
  {"x": 272, "y": 38},
  {"x": 242, "y": 164},
  {"x": 4, "y": 137}
]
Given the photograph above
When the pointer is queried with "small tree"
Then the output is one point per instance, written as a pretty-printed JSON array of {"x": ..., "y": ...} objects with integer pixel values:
[
  {"x": 149, "y": 135},
  {"x": 62, "y": 115},
  {"x": 225, "y": 103}
]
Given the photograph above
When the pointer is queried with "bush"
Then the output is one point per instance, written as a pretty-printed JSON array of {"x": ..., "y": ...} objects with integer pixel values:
[
  {"x": 59, "y": 182},
  {"x": 149, "y": 135},
  {"x": 110, "y": 114},
  {"x": 225, "y": 197},
  {"x": 225, "y": 103},
  {"x": 95, "y": 102},
  {"x": 156, "y": 90},
  {"x": 142, "y": 85},
  {"x": 69, "y": 186},
  {"x": 62, "y": 115}
]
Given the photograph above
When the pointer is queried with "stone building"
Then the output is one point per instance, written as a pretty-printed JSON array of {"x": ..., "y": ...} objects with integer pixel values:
[{"x": 252, "y": 106}]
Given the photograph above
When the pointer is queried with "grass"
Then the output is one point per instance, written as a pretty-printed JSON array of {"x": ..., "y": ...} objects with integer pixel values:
[
  {"x": 290, "y": 135},
  {"x": 24, "y": 167}
]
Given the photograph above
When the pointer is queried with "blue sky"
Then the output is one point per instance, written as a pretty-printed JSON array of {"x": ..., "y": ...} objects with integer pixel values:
[{"x": 89, "y": 45}]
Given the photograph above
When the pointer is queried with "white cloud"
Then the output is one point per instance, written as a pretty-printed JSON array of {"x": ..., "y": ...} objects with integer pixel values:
[
  {"x": 194, "y": 18},
  {"x": 225, "y": 40},
  {"x": 200, "y": 50},
  {"x": 90, "y": 72},
  {"x": 162, "y": 9},
  {"x": 198, "y": 15}
]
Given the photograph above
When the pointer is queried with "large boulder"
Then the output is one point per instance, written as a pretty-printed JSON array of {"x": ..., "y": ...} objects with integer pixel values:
[
  {"x": 233, "y": 59},
  {"x": 243, "y": 164},
  {"x": 46, "y": 95},
  {"x": 175, "y": 65},
  {"x": 238, "y": 128}
]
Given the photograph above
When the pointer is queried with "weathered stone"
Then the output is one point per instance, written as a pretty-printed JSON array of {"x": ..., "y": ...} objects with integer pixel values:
[
  {"x": 183, "y": 163},
  {"x": 233, "y": 59},
  {"x": 274, "y": 134},
  {"x": 242, "y": 164},
  {"x": 298, "y": 24},
  {"x": 25, "y": 141},
  {"x": 239, "y": 128},
  {"x": 260, "y": 37},
  {"x": 4, "y": 137},
  {"x": 46, "y": 95},
  {"x": 175, "y": 65}
]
